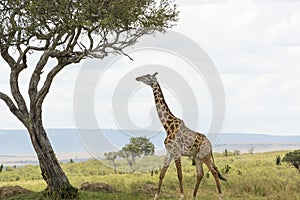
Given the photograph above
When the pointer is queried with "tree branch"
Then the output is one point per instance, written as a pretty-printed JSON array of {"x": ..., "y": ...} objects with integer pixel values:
[
  {"x": 47, "y": 84},
  {"x": 14, "y": 76},
  {"x": 15, "y": 90},
  {"x": 121, "y": 39},
  {"x": 36, "y": 75},
  {"x": 75, "y": 57},
  {"x": 73, "y": 40},
  {"x": 12, "y": 107},
  {"x": 5, "y": 55}
]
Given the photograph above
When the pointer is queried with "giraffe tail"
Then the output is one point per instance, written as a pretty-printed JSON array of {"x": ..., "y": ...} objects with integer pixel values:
[
  {"x": 193, "y": 161},
  {"x": 215, "y": 167},
  {"x": 219, "y": 175}
]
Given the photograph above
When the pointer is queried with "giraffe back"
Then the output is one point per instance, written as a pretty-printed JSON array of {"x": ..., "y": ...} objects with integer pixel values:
[{"x": 184, "y": 142}]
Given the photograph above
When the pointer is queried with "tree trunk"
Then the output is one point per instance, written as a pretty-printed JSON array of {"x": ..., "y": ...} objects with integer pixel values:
[
  {"x": 115, "y": 167},
  {"x": 58, "y": 183}
]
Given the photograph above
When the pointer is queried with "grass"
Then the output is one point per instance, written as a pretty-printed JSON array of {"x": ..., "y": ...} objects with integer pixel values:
[
  {"x": 250, "y": 176},
  {"x": 85, "y": 196}
]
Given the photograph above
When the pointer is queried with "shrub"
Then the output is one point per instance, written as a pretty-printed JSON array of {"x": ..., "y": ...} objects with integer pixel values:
[
  {"x": 293, "y": 158},
  {"x": 236, "y": 152},
  {"x": 226, "y": 169},
  {"x": 278, "y": 160},
  {"x": 8, "y": 169}
]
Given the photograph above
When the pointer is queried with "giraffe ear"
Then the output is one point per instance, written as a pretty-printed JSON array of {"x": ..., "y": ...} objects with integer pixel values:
[{"x": 155, "y": 74}]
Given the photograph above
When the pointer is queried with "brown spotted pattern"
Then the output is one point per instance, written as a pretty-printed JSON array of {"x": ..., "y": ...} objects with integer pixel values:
[{"x": 181, "y": 141}]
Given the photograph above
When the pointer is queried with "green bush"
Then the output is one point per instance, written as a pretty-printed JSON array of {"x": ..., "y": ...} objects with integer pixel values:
[{"x": 293, "y": 158}]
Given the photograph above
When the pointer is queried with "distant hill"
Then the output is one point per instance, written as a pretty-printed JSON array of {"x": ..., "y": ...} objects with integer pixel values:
[
  {"x": 18, "y": 141},
  {"x": 246, "y": 138},
  {"x": 68, "y": 140},
  {"x": 259, "y": 142}
]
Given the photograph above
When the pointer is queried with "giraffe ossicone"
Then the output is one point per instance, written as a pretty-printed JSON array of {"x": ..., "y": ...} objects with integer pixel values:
[{"x": 181, "y": 141}]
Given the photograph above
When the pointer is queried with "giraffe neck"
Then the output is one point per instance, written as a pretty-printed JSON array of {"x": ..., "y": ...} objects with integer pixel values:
[{"x": 165, "y": 115}]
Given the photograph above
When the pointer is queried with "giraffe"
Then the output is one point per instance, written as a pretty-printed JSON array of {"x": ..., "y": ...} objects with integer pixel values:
[{"x": 181, "y": 141}]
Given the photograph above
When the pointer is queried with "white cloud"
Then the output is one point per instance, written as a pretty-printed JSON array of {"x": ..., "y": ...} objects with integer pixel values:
[{"x": 254, "y": 44}]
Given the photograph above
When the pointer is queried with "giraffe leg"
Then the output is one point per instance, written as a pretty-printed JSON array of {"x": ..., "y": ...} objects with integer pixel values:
[
  {"x": 163, "y": 171},
  {"x": 199, "y": 170},
  {"x": 179, "y": 174},
  {"x": 208, "y": 161}
]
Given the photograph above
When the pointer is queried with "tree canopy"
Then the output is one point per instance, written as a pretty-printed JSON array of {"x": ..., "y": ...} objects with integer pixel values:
[
  {"x": 59, "y": 26},
  {"x": 137, "y": 147}
]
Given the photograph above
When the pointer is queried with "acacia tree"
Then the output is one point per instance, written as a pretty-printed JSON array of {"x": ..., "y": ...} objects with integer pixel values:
[
  {"x": 112, "y": 156},
  {"x": 137, "y": 146},
  {"x": 124, "y": 153},
  {"x": 60, "y": 33},
  {"x": 142, "y": 146}
]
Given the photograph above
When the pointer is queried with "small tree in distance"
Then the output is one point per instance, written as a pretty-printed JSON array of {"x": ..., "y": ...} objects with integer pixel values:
[
  {"x": 142, "y": 146},
  {"x": 124, "y": 153},
  {"x": 112, "y": 156},
  {"x": 137, "y": 147},
  {"x": 55, "y": 34}
]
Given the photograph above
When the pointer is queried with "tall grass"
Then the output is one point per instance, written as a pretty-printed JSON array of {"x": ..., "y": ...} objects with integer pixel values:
[{"x": 250, "y": 176}]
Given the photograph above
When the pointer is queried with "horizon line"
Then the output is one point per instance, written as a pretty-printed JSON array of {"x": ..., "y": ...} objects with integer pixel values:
[{"x": 90, "y": 129}]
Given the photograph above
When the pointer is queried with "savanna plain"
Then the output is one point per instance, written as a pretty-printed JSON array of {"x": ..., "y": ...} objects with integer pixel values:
[{"x": 249, "y": 176}]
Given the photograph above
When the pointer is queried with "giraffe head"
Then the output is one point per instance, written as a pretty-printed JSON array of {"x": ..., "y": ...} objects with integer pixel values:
[{"x": 148, "y": 79}]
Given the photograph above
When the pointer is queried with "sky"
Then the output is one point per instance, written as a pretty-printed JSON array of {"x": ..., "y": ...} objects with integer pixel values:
[{"x": 253, "y": 44}]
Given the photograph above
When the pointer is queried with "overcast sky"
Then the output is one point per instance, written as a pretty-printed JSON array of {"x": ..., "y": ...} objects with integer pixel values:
[{"x": 255, "y": 46}]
